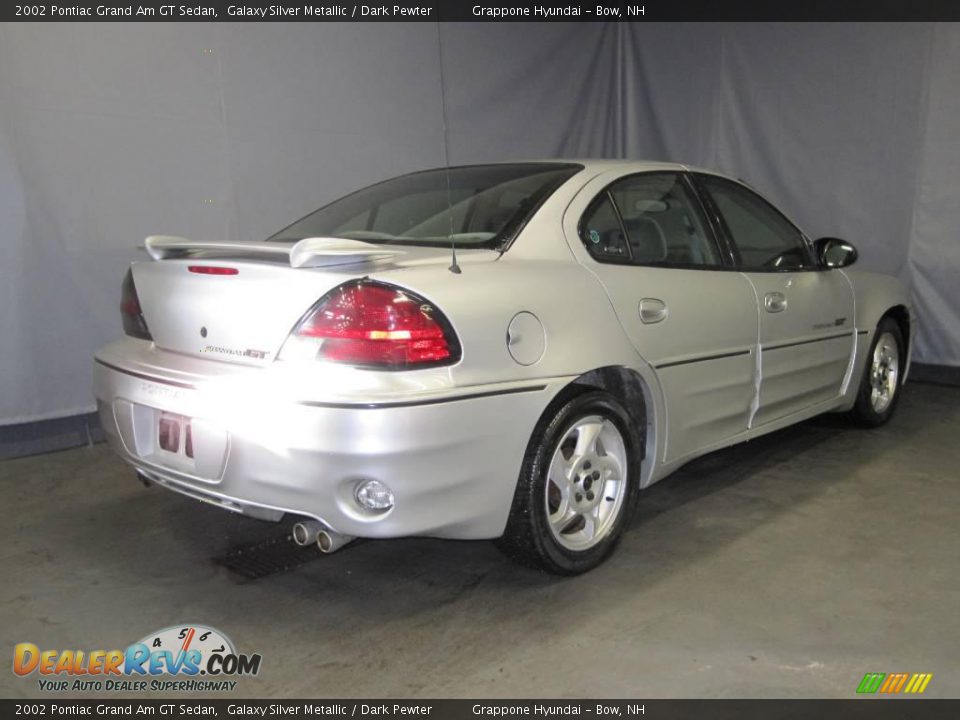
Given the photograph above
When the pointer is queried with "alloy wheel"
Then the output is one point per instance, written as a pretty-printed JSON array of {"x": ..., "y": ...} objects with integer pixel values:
[
  {"x": 586, "y": 483},
  {"x": 884, "y": 372}
]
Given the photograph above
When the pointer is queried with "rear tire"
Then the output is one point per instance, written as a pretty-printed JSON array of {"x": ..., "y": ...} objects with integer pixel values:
[
  {"x": 882, "y": 378},
  {"x": 577, "y": 487}
]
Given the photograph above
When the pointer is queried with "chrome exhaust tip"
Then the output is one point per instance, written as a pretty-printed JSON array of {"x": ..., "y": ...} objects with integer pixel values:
[
  {"x": 329, "y": 541},
  {"x": 306, "y": 532}
]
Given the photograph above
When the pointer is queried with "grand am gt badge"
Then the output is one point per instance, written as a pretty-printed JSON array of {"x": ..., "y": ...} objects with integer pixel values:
[
  {"x": 248, "y": 353},
  {"x": 839, "y": 322}
]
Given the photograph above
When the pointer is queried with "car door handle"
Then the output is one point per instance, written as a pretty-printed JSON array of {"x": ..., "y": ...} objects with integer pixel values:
[
  {"x": 652, "y": 311},
  {"x": 775, "y": 302}
]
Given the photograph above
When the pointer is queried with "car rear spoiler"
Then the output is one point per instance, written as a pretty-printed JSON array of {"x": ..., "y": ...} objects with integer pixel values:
[{"x": 310, "y": 252}]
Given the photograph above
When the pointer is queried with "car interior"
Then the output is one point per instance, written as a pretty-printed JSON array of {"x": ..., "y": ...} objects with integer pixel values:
[{"x": 658, "y": 226}]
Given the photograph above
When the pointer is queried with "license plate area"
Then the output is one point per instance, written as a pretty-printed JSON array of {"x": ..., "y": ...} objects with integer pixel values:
[
  {"x": 193, "y": 446},
  {"x": 168, "y": 432},
  {"x": 175, "y": 434}
]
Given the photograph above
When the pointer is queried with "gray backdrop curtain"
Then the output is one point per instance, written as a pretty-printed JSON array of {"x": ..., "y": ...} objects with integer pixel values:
[{"x": 111, "y": 132}]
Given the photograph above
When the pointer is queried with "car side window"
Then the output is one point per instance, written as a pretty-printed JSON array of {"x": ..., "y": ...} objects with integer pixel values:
[
  {"x": 765, "y": 239},
  {"x": 648, "y": 219},
  {"x": 601, "y": 232}
]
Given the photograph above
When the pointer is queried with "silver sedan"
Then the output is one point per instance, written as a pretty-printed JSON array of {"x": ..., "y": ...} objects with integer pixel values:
[{"x": 509, "y": 351}]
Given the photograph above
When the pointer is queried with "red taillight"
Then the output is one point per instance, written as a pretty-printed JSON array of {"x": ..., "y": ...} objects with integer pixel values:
[
  {"x": 133, "y": 323},
  {"x": 212, "y": 270},
  {"x": 377, "y": 325}
]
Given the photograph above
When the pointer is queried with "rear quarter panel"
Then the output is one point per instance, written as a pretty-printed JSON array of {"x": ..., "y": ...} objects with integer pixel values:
[
  {"x": 580, "y": 327},
  {"x": 581, "y": 330}
]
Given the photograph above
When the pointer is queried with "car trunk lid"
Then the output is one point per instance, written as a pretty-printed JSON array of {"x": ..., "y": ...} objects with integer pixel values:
[{"x": 237, "y": 301}]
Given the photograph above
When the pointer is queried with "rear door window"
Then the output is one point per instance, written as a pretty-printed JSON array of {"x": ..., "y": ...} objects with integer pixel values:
[{"x": 648, "y": 219}]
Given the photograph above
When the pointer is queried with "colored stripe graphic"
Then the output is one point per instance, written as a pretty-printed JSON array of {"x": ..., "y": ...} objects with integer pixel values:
[
  {"x": 893, "y": 683},
  {"x": 918, "y": 683},
  {"x": 871, "y": 682}
]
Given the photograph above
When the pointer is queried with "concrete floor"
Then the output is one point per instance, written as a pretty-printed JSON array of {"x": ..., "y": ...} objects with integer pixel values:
[{"x": 786, "y": 567}]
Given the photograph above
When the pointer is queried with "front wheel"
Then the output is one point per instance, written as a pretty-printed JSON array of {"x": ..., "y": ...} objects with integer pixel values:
[
  {"x": 576, "y": 487},
  {"x": 882, "y": 377}
]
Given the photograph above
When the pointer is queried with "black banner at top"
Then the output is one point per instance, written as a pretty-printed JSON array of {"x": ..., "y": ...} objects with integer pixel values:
[{"x": 484, "y": 11}]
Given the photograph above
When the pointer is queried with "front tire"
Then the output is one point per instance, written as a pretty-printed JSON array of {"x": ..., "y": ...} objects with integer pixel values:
[
  {"x": 577, "y": 487},
  {"x": 882, "y": 377}
]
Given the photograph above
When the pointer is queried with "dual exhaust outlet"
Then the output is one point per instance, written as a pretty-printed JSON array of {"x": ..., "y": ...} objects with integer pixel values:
[{"x": 308, "y": 532}]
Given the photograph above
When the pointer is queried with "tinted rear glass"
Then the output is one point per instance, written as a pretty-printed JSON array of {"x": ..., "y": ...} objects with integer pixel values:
[{"x": 472, "y": 206}]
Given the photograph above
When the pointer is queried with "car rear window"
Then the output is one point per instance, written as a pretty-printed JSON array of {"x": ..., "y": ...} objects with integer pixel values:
[{"x": 472, "y": 206}]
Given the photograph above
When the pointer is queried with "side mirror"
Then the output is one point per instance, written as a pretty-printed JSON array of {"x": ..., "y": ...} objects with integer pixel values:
[{"x": 834, "y": 252}]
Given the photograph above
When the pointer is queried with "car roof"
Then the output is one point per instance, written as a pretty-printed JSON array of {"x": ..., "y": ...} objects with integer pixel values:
[
  {"x": 599, "y": 165},
  {"x": 603, "y": 164},
  {"x": 616, "y": 163}
]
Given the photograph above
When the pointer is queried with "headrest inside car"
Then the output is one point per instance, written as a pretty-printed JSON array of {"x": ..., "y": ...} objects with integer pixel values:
[
  {"x": 649, "y": 206},
  {"x": 647, "y": 242}
]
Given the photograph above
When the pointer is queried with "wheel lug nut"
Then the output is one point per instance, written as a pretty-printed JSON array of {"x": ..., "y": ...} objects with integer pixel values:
[
  {"x": 596, "y": 475},
  {"x": 579, "y": 497},
  {"x": 590, "y": 496},
  {"x": 586, "y": 465}
]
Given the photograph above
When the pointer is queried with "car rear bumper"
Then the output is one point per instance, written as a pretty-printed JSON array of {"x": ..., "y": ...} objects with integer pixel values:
[{"x": 451, "y": 461}]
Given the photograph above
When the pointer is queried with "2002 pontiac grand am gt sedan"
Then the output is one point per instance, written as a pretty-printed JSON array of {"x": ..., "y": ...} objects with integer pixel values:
[{"x": 600, "y": 324}]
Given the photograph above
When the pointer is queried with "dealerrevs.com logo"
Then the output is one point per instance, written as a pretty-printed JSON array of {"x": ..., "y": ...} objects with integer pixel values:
[{"x": 177, "y": 658}]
